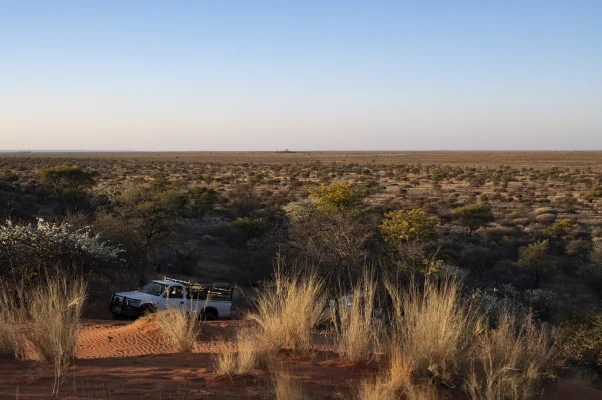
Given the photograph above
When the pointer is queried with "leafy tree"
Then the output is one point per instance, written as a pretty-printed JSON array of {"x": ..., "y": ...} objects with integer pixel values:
[
  {"x": 203, "y": 200},
  {"x": 66, "y": 177},
  {"x": 251, "y": 227},
  {"x": 561, "y": 229},
  {"x": 535, "y": 260},
  {"x": 580, "y": 249},
  {"x": 581, "y": 338},
  {"x": 330, "y": 238},
  {"x": 68, "y": 183},
  {"x": 412, "y": 234},
  {"x": 144, "y": 219},
  {"x": 408, "y": 226},
  {"x": 473, "y": 216},
  {"x": 339, "y": 195},
  {"x": 150, "y": 213}
]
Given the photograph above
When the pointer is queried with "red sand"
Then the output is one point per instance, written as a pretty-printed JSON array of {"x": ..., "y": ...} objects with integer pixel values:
[{"x": 122, "y": 360}]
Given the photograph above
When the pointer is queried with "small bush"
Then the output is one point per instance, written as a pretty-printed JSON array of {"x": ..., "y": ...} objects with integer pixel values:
[
  {"x": 54, "y": 308},
  {"x": 252, "y": 351},
  {"x": 356, "y": 333},
  {"x": 11, "y": 344},
  {"x": 433, "y": 328},
  {"x": 180, "y": 326},
  {"x": 288, "y": 310},
  {"x": 581, "y": 339},
  {"x": 510, "y": 361},
  {"x": 287, "y": 387}
]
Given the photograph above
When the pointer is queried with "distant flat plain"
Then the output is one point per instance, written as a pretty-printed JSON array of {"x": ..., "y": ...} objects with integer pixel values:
[{"x": 536, "y": 159}]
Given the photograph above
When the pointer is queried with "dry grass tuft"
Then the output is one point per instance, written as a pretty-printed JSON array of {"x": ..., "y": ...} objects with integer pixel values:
[
  {"x": 180, "y": 326},
  {"x": 510, "y": 361},
  {"x": 225, "y": 363},
  {"x": 253, "y": 351},
  {"x": 357, "y": 335},
  {"x": 434, "y": 329},
  {"x": 54, "y": 309},
  {"x": 439, "y": 339},
  {"x": 289, "y": 309},
  {"x": 11, "y": 315},
  {"x": 286, "y": 387}
]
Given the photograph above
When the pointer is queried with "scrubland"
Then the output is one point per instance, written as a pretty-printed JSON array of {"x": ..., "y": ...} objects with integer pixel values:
[{"x": 359, "y": 275}]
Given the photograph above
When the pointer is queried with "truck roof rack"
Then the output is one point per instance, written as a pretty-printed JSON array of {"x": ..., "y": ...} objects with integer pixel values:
[
  {"x": 190, "y": 283},
  {"x": 215, "y": 291}
]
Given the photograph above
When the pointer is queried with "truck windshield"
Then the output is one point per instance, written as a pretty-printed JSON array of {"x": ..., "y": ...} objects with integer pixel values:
[{"x": 154, "y": 288}]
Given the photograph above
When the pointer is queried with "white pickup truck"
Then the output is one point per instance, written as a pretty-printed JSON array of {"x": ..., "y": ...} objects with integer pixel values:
[{"x": 208, "y": 302}]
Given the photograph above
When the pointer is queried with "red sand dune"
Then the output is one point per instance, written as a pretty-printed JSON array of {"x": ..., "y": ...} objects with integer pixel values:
[{"x": 121, "y": 360}]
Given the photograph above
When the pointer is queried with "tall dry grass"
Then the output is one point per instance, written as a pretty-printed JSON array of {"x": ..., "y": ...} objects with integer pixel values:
[
  {"x": 253, "y": 350},
  {"x": 11, "y": 317},
  {"x": 180, "y": 326},
  {"x": 286, "y": 387},
  {"x": 510, "y": 361},
  {"x": 356, "y": 332},
  {"x": 437, "y": 337},
  {"x": 54, "y": 309},
  {"x": 433, "y": 329},
  {"x": 289, "y": 309}
]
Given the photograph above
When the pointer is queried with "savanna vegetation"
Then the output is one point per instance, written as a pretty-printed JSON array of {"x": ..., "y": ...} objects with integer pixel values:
[{"x": 489, "y": 277}]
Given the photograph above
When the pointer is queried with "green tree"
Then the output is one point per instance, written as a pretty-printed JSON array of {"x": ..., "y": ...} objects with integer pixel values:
[
  {"x": 144, "y": 218},
  {"x": 561, "y": 229},
  {"x": 473, "y": 216},
  {"x": 341, "y": 195},
  {"x": 251, "y": 227},
  {"x": 412, "y": 235},
  {"x": 535, "y": 260},
  {"x": 203, "y": 200},
  {"x": 66, "y": 177},
  {"x": 408, "y": 226},
  {"x": 332, "y": 239}
]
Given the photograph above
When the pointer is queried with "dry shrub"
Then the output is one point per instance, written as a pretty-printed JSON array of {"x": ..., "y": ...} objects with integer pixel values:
[
  {"x": 396, "y": 382},
  {"x": 253, "y": 351},
  {"x": 54, "y": 308},
  {"x": 438, "y": 338},
  {"x": 433, "y": 328},
  {"x": 510, "y": 361},
  {"x": 376, "y": 391},
  {"x": 286, "y": 387},
  {"x": 382, "y": 389},
  {"x": 356, "y": 331},
  {"x": 11, "y": 315},
  {"x": 225, "y": 363},
  {"x": 180, "y": 326},
  {"x": 288, "y": 310}
]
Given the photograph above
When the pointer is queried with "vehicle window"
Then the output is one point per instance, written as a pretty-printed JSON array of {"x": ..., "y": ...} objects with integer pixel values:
[
  {"x": 153, "y": 288},
  {"x": 176, "y": 292},
  {"x": 197, "y": 294}
]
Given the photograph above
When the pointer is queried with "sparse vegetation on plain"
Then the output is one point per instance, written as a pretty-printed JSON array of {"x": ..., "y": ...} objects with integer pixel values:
[{"x": 433, "y": 278}]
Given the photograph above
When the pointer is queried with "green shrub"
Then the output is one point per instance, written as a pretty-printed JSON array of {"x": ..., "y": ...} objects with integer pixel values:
[{"x": 581, "y": 338}]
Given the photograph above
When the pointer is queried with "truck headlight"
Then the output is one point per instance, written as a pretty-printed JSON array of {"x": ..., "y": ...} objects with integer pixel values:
[{"x": 132, "y": 303}]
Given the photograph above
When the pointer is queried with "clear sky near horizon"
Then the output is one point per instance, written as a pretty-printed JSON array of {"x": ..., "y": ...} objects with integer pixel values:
[{"x": 303, "y": 75}]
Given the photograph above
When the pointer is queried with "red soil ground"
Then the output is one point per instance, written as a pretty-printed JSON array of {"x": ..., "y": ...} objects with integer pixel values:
[{"x": 124, "y": 360}]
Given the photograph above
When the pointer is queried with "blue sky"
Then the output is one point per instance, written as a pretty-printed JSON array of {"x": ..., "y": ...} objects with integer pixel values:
[{"x": 313, "y": 75}]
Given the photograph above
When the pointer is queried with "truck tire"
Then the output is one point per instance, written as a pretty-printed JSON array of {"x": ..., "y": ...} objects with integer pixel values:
[{"x": 208, "y": 315}]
